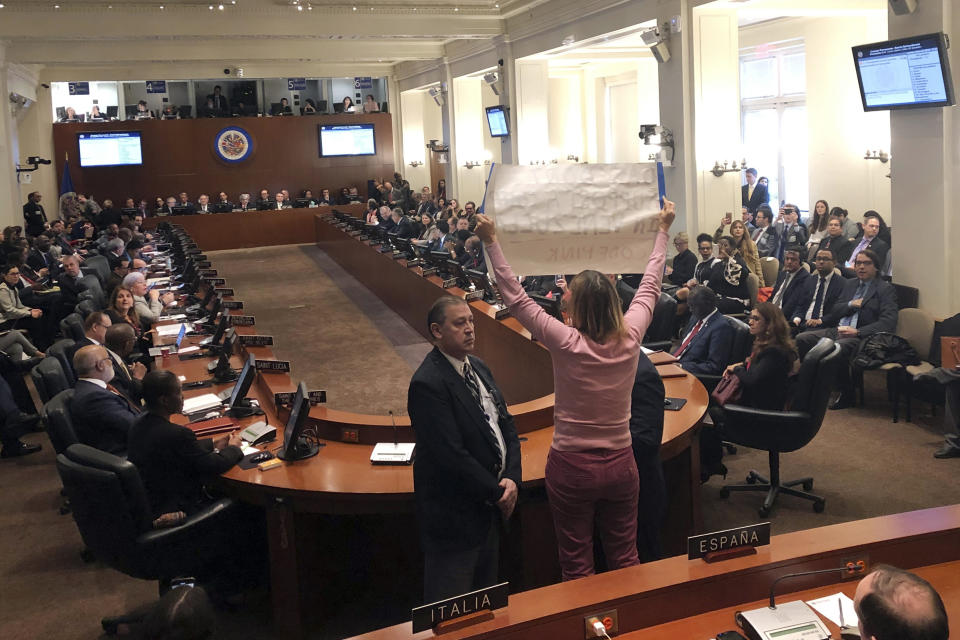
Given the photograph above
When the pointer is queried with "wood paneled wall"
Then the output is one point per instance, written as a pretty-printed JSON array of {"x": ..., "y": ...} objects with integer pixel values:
[{"x": 178, "y": 155}]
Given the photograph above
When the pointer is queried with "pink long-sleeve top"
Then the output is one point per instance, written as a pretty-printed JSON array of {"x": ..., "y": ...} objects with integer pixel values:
[{"x": 592, "y": 382}]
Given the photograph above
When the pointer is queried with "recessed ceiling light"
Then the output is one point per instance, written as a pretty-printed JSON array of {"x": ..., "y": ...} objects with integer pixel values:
[
  {"x": 299, "y": 8},
  {"x": 220, "y": 6},
  {"x": 161, "y": 7},
  {"x": 456, "y": 8},
  {"x": 497, "y": 6},
  {"x": 354, "y": 8},
  {"x": 210, "y": 7},
  {"x": 56, "y": 6}
]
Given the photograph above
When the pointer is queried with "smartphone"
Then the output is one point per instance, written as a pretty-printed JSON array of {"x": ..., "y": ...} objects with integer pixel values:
[
  {"x": 730, "y": 635},
  {"x": 728, "y": 217}
]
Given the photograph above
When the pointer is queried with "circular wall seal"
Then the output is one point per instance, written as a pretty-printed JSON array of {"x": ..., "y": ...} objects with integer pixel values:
[{"x": 233, "y": 144}]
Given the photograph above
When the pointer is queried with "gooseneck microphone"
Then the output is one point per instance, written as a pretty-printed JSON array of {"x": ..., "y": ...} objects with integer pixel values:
[{"x": 849, "y": 569}]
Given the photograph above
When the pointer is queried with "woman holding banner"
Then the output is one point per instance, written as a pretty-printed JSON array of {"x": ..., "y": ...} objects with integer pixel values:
[{"x": 591, "y": 476}]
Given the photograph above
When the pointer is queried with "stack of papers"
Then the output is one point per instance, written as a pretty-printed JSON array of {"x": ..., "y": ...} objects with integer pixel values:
[
  {"x": 838, "y": 609},
  {"x": 172, "y": 329},
  {"x": 202, "y": 402}
]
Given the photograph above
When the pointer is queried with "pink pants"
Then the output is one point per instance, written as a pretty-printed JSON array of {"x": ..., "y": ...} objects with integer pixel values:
[{"x": 587, "y": 487}]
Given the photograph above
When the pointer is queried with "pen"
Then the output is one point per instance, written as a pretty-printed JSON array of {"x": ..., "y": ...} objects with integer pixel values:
[{"x": 840, "y": 604}]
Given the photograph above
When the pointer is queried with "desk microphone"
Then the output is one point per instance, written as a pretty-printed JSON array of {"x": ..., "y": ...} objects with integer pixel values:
[{"x": 847, "y": 570}]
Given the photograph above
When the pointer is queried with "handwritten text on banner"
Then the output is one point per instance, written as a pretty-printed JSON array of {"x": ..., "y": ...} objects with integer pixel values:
[{"x": 567, "y": 218}]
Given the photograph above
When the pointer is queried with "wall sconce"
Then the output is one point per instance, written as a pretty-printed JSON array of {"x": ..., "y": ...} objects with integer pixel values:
[
  {"x": 728, "y": 167},
  {"x": 415, "y": 163},
  {"x": 882, "y": 156},
  {"x": 470, "y": 164},
  {"x": 573, "y": 158}
]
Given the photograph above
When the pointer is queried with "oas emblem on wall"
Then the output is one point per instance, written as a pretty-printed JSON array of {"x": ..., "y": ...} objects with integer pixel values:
[{"x": 233, "y": 144}]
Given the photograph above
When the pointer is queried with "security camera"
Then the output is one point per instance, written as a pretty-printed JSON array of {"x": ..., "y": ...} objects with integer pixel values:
[
  {"x": 437, "y": 94},
  {"x": 493, "y": 79},
  {"x": 37, "y": 160}
]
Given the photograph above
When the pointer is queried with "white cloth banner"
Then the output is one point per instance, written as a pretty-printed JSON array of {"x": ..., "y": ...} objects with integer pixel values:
[{"x": 566, "y": 218}]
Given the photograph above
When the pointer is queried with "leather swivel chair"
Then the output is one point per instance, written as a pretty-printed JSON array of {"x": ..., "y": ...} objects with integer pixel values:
[
  {"x": 660, "y": 331},
  {"x": 113, "y": 515},
  {"x": 56, "y": 413},
  {"x": 85, "y": 305},
  {"x": 61, "y": 351},
  {"x": 98, "y": 266},
  {"x": 91, "y": 289},
  {"x": 72, "y": 327},
  {"x": 49, "y": 379},
  {"x": 785, "y": 431}
]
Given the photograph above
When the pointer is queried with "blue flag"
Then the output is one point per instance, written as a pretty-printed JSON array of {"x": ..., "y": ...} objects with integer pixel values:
[
  {"x": 661, "y": 183},
  {"x": 485, "y": 186},
  {"x": 68, "y": 196}
]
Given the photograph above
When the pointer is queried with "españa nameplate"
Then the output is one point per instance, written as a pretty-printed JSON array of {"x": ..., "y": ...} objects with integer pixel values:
[{"x": 752, "y": 535}]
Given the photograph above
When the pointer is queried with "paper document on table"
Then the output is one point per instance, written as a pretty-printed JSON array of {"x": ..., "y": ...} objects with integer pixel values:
[
  {"x": 567, "y": 218},
  {"x": 829, "y": 608},
  {"x": 201, "y": 403},
  {"x": 172, "y": 329},
  {"x": 190, "y": 349}
]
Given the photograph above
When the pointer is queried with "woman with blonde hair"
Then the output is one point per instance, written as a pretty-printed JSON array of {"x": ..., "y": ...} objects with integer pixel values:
[
  {"x": 591, "y": 476},
  {"x": 746, "y": 246}
]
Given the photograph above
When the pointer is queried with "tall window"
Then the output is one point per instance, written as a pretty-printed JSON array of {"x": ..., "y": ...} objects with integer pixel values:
[{"x": 773, "y": 108}]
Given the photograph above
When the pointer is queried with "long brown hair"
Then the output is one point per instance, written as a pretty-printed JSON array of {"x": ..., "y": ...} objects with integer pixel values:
[
  {"x": 777, "y": 333},
  {"x": 595, "y": 307},
  {"x": 131, "y": 316}
]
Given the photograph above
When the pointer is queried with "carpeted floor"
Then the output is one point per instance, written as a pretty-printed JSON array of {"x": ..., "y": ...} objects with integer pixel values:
[{"x": 328, "y": 326}]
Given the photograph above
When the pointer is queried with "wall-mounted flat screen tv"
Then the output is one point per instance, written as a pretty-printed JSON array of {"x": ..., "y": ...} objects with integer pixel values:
[
  {"x": 347, "y": 140},
  {"x": 498, "y": 121},
  {"x": 908, "y": 73},
  {"x": 110, "y": 148}
]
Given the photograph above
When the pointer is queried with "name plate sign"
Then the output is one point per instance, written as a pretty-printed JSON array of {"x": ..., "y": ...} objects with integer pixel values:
[
  {"x": 256, "y": 341},
  {"x": 430, "y": 615},
  {"x": 203, "y": 264},
  {"x": 284, "y": 398},
  {"x": 242, "y": 321},
  {"x": 233, "y": 304},
  {"x": 753, "y": 535},
  {"x": 208, "y": 273},
  {"x": 215, "y": 282},
  {"x": 273, "y": 366},
  {"x": 429, "y": 271},
  {"x": 227, "y": 291},
  {"x": 473, "y": 295}
]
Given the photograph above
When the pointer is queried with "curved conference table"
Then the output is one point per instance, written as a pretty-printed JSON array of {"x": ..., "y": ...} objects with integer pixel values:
[{"x": 341, "y": 479}]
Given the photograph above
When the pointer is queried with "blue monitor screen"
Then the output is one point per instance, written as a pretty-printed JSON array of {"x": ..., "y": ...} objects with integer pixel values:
[
  {"x": 110, "y": 148},
  {"x": 904, "y": 74},
  {"x": 498, "y": 121},
  {"x": 347, "y": 140}
]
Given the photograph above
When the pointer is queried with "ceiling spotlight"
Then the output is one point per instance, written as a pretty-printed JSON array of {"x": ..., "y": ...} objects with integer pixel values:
[
  {"x": 210, "y": 7},
  {"x": 161, "y": 7},
  {"x": 354, "y": 8},
  {"x": 56, "y": 6},
  {"x": 299, "y": 8},
  {"x": 220, "y": 6},
  {"x": 456, "y": 8}
]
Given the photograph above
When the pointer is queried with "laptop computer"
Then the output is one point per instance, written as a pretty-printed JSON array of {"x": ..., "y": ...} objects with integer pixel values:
[{"x": 174, "y": 348}]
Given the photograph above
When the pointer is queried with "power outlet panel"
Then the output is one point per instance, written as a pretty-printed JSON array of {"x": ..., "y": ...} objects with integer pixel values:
[{"x": 610, "y": 622}]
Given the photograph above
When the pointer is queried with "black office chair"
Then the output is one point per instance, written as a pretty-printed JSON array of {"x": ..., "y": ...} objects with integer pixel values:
[
  {"x": 49, "y": 379},
  {"x": 91, "y": 285},
  {"x": 99, "y": 266},
  {"x": 113, "y": 516},
  {"x": 785, "y": 431},
  {"x": 660, "y": 332},
  {"x": 61, "y": 351},
  {"x": 72, "y": 327},
  {"x": 186, "y": 112},
  {"x": 56, "y": 415},
  {"x": 85, "y": 305}
]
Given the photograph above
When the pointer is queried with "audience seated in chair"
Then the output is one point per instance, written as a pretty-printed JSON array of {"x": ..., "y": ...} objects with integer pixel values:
[
  {"x": 869, "y": 239},
  {"x": 866, "y": 305},
  {"x": 684, "y": 263},
  {"x": 120, "y": 341},
  {"x": 790, "y": 281},
  {"x": 102, "y": 416},
  {"x": 728, "y": 278},
  {"x": 705, "y": 345},
  {"x": 765, "y": 235},
  {"x": 13, "y": 424},
  {"x": 818, "y": 293},
  {"x": 835, "y": 241}
]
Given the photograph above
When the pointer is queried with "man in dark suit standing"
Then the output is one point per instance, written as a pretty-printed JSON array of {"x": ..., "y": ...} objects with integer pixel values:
[
  {"x": 790, "y": 281},
  {"x": 175, "y": 465},
  {"x": 467, "y": 469},
  {"x": 817, "y": 294},
  {"x": 752, "y": 195},
  {"x": 867, "y": 305},
  {"x": 705, "y": 347},
  {"x": 101, "y": 415},
  {"x": 220, "y": 105},
  {"x": 33, "y": 215}
]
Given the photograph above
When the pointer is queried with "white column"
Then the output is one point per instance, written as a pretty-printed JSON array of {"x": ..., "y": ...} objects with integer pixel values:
[
  {"x": 533, "y": 130},
  {"x": 449, "y": 116},
  {"x": 508, "y": 69},
  {"x": 414, "y": 140},
  {"x": 10, "y": 206},
  {"x": 925, "y": 173}
]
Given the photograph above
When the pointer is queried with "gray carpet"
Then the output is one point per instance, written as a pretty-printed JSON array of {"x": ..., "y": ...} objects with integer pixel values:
[{"x": 328, "y": 325}]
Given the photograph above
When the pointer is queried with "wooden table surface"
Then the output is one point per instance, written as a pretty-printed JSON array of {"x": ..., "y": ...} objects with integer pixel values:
[{"x": 341, "y": 480}]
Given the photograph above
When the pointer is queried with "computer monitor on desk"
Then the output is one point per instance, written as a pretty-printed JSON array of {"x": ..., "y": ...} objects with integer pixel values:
[
  {"x": 238, "y": 406},
  {"x": 296, "y": 446}
]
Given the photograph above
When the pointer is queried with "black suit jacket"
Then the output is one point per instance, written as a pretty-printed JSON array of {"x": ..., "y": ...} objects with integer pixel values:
[
  {"x": 70, "y": 289},
  {"x": 405, "y": 228},
  {"x": 877, "y": 313},
  {"x": 709, "y": 351},
  {"x": 793, "y": 291},
  {"x": 877, "y": 245},
  {"x": 684, "y": 265},
  {"x": 124, "y": 381},
  {"x": 760, "y": 196},
  {"x": 801, "y": 302},
  {"x": 455, "y": 469},
  {"x": 35, "y": 217},
  {"x": 38, "y": 260},
  {"x": 840, "y": 246},
  {"x": 174, "y": 464},
  {"x": 101, "y": 418}
]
